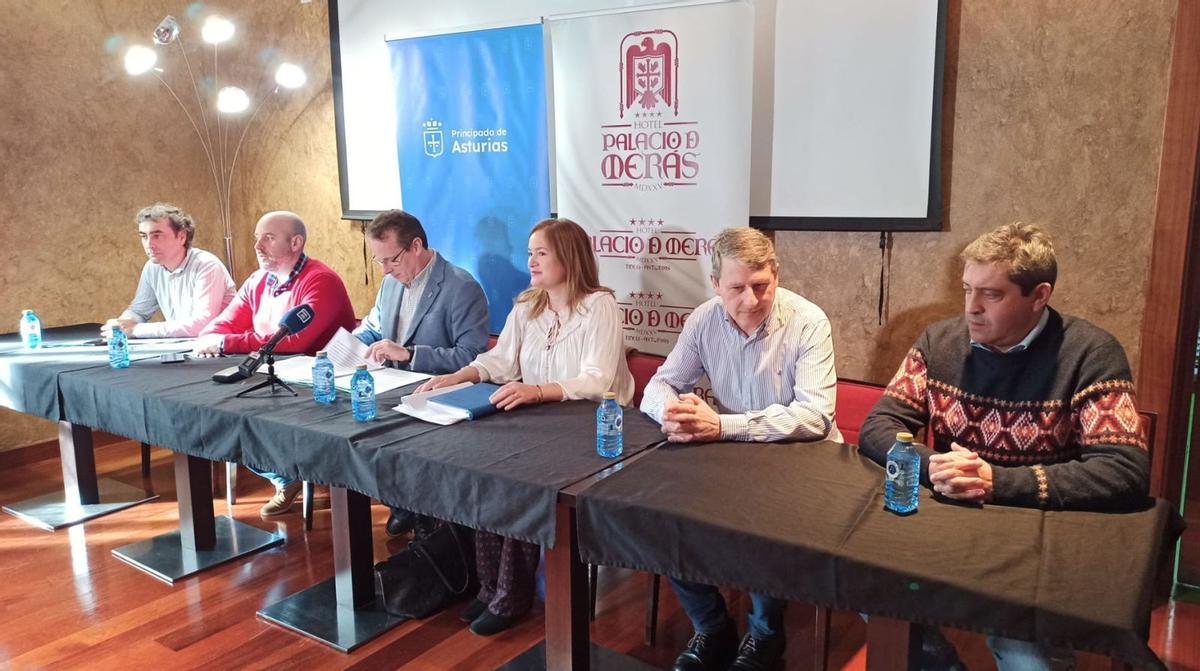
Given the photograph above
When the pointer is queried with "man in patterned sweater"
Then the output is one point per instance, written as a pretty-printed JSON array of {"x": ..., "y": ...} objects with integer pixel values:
[{"x": 1025, "y": 406}]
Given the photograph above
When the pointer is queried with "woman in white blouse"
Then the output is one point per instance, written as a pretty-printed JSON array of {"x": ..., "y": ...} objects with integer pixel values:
[{"x": 562, "y": 341}]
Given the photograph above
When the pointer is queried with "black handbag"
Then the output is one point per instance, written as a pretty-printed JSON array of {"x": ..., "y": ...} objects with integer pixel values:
[{"x": 428, "y": 575}]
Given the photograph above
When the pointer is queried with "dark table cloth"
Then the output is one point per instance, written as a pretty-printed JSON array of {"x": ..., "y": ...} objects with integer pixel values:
[
  {"x": 806, "y": 522},
  {"x": 29, "y": 378},
  {"x": 501, "y": 473}
]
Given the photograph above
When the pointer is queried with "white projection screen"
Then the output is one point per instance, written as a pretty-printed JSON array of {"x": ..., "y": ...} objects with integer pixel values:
[{"x": 846, "y": 121}]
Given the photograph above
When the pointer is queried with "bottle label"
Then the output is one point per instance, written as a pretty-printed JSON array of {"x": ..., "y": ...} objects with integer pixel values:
[{"x": 893, "y": 470}]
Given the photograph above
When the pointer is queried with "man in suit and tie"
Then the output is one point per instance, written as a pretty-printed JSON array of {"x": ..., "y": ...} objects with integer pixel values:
[{"x": 430, "y": 316}]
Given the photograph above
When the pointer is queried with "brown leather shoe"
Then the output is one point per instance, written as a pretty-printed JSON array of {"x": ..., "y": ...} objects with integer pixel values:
[{"x": 282, "y": 501}]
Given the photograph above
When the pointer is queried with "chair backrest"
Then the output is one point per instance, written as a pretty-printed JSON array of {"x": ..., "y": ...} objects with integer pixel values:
[
  {"x": 1148, "y": 424},
  {"x": 854, "y": 399},
  {"x": 854, "y": 402},
  {"x": 643, "y": 367}
]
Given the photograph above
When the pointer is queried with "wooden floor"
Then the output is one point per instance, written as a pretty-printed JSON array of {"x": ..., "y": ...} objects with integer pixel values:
[{"x": 66, "y": 602}]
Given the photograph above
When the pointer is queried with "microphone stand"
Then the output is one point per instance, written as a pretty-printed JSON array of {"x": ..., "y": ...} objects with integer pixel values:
[{"x": 271, "y": 380}]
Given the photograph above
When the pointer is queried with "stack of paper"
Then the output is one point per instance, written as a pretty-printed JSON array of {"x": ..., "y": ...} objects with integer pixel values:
[
  {"x": 136, "y": 346},
  {"x": 346, "y": 353}
]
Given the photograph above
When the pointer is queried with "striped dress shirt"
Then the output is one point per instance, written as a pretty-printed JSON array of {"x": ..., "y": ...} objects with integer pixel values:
[
  {"x": 777, "y": 383},
  {"x": 189, "y": 297}
]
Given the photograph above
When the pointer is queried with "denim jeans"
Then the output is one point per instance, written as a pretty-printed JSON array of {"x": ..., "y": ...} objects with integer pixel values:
[
  {"x": 1014, "y": 655},
  {"x": 705, "y": 607},
  {"x": 276, "y": 479}
]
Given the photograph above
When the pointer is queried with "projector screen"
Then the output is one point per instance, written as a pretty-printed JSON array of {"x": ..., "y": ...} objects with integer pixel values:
[
  {"x": 846, "y": 112},
  {"x": 856, "y": 125}
]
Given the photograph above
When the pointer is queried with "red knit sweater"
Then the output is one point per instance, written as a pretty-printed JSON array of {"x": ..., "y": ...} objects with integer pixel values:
[{"x": 317, "y": 285}]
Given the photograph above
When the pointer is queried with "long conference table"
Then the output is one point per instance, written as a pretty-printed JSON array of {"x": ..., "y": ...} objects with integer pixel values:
[
  {"x": 806, "y": 522},
  {"x": 29, "y": 384},
  {"x": 799, "y": 521},
  {"x": 507, "y": 478}
]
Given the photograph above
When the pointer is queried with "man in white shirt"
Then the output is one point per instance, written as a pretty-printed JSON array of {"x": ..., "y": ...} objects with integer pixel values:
[
  {"x": 768, "y": 353},
  {"x": 189, "y": 286}
]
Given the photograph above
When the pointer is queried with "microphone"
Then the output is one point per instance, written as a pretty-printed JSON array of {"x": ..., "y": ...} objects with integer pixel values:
[{"x": 296, "y": 320}]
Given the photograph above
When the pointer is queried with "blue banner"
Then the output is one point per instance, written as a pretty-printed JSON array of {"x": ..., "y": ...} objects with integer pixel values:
[{"x": 471, "y": 142}]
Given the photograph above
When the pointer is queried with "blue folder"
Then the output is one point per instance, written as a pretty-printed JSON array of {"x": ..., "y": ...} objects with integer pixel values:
[{"x": 473, "y": 399}]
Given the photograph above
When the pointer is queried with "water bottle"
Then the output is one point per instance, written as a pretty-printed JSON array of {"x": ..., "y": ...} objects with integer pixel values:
[
  {"x": 903, "y": 476},
  {"x": 362, "y": 394},
  {"x": 322, "y": 376},
  {"x": 118, "y": 349},
  {"x": 31, "y": 330},
  {"x": 610, "y": 420}
]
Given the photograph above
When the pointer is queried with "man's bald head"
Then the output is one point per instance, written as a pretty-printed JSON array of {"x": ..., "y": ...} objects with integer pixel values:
[
  {"x": 293, "y": 220},
  {"x": 279, "y": 240}
]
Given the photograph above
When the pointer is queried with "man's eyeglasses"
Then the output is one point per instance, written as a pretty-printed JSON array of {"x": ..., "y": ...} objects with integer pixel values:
[{"x": 391, "y": 261}]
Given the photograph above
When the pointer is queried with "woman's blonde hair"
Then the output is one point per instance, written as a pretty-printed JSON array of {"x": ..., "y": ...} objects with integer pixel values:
[{"x": 570, "y": 243}]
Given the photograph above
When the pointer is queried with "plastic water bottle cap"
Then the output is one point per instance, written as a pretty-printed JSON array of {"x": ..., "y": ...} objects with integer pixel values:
[
  {"x": 322, "y": 354},
  {"x": 904, "y": 437},
  {"x": 361, "y": 366},
  {"x": 610, "y": 395},
  {"x": 26, "y": 312}
]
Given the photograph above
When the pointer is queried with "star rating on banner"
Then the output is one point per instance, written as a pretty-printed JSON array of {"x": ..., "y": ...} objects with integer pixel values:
[{"x": 645, "y": 222}]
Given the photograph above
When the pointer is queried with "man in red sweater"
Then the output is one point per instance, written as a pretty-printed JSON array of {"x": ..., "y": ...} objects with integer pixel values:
[{"x": 286, "y": 278}]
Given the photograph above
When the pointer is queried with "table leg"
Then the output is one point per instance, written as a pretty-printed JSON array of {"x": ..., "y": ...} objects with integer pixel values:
[
  {"x": 202, "y": 540},
  {"x": 193, "y": 485},
  {"x": 84, "y": 495},
  {"x": 231, "y": 483},
  {"x": 568, "y": 645},
  {"x": 822, "y": 620},
  {"x": 892, "y": 644},
  {"x": 566, "y": 598},
  {"x": 353, "y": 560},
  {"x": 78, "y": 459},
  {"x": 341, "y": 612}
]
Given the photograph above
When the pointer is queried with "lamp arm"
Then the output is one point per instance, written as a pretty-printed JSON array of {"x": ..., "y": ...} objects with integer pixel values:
[
  {"x": 238, "y": 148},
  {"x": 196, "y": 90},
  {"x": 207, "y": 152}
]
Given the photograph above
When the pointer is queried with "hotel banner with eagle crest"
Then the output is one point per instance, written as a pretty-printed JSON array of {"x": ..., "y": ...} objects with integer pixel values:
[{"x": 652, "y": 150}]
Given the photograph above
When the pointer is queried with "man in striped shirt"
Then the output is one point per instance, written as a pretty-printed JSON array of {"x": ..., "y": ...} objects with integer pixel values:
[{"x": 768, "y": 354}]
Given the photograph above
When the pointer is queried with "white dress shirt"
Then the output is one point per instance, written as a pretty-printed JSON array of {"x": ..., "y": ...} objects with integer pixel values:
[
  {"x": 409, "y": 302},
  {"x": 581, "y": 351},
  {"x": 189, "y": 297},
  {"x": 777, "y": 383},
  {"x": 1025, "y": 342}
]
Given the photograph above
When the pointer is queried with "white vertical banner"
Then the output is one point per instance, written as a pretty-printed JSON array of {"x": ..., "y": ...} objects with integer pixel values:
[{"x": 652, "y": 133}]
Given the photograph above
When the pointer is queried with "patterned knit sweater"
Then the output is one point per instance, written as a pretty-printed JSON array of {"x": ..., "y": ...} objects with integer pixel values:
[{"x": 1057, "y": 421}]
